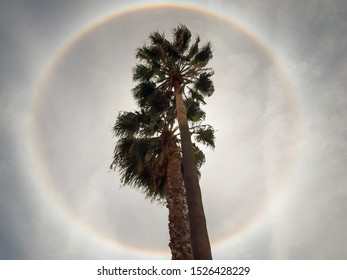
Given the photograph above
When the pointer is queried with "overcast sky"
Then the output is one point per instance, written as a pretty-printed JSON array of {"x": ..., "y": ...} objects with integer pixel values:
[{"x": 274, "y": 187}]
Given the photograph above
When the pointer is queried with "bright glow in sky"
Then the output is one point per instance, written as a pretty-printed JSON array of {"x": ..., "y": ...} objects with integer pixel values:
[{"x": 275, "y": 186}]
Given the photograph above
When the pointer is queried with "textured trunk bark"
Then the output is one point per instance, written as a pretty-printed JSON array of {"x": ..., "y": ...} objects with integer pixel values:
[
  {"x": 198, "y": 228},
  {"x": 179, "y": 231}
]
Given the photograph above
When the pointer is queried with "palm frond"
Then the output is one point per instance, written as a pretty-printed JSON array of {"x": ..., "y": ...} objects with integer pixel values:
[
  {"x": 134, "y": 157},
  {"x": 194, "y": 112},
  {"x": 173, "y": 53},
  {"x": 195, "y": 95},
  {"x": 148, "y": 54},
  {"x": 143, "y": 91},
  {"x": 181, "y": 38},
  {"x": 128, "y": 123},
  {"x": 157, "y": 38},
  {"x": 161, "y": 45},
  {"x": 205, "y": 135},
  {"x": 199, "y": 158},
  {"x": 142, "y": 73},
  {"x": 204, "y": 83},
  {"x": 194, "y": 48},
  {"x": 203, "y": 56}
]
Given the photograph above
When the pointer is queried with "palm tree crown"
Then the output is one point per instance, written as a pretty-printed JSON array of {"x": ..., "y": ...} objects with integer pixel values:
[
  {"x": 163, "y": 63},
  {"x": 145, "y": 141}
]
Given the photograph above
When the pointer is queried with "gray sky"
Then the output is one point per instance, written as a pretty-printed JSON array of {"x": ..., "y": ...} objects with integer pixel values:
[{"x": 274, "y": 187}]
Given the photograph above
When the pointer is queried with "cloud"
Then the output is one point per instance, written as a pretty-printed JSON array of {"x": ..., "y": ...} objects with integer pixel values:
[{"x": 81, "y": 208}]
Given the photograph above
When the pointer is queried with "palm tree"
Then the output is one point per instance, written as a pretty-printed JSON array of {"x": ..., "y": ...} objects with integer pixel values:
[
  {"x": 148, "y": 156},
  {"x": 177, "y": 71}
]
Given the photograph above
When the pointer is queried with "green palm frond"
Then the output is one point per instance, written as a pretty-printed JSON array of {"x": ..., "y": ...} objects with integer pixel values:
[
  {"x": 173, "y": 53},
  {"x": 159, "y": 102},
  {"x": 194, "y": 48},
  {"x": 197, "y": 96},
  {"x": 141, "y": 162},
  {"x": 148, "y": 54},
  {"x": 142, "y": 91},
  {"x": 203, "y": 56},
  {"x": 205, "y": 135},
  {"x": 142, "y": 73},
  {"x": 194, "y": 112},
  {"x": 181, "y": 38},
  {"x": 204, "y": 83},
  {"x": 161, "y": 45},
  {"x": 199, "y": 156},
  {"x": 127, "y": 123},
  {"x": 157, "y": 38}
]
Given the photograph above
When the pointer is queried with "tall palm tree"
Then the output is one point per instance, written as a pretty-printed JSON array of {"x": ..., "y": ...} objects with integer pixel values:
[
  {"x": 148, "y": 156},
  {"x": 177, "y": 71}
]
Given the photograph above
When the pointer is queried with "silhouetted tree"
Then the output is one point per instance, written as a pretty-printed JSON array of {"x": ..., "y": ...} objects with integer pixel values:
[{"x": 172, "y": 82}]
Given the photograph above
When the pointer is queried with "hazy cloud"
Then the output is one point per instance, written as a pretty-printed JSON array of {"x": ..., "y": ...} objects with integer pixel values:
[{"x": 275, "y": 187}]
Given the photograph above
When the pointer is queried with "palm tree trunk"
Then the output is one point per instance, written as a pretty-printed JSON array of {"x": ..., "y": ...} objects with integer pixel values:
[
  {"x": 198, "y": 228},
  {"x": 179, "y": 231}
]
